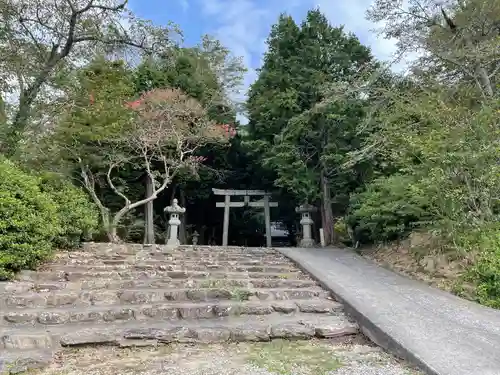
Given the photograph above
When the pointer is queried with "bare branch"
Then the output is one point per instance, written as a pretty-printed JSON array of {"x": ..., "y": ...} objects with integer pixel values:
[
  {"x": 495, "y": 71},
  {"x": 89, "y": 184},
  {"x": 71, "y": 6},
  {"x": 91, "y": 5},
  {"x": 41, "y": 35},
  {"x": 113, "y": 187}
]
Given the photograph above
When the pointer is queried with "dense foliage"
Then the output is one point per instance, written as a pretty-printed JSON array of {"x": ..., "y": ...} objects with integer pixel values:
[
  {"x": 302, "y": 142},
  {"x": 387, "y": 153},
  {"x": 387, "y": 209},
  {"x": 39, "y": 214},
  {"x": 379, "y": 153},
  {"x": 29, "y": 220},
  {"x": 78, "y": 216},
  {"x": 94, "y": 133}
]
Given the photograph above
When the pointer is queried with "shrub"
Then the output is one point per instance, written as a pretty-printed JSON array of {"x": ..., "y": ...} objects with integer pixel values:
[
  {"x": 29, "y": 220},
  {"x": 484, "y": 243},
  {"x": 78, "y": 216},
  {"x": 387, "y": 209},
  {"x": 341, "y": 231}
]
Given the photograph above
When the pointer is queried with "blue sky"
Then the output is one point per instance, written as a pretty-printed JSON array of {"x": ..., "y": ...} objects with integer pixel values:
[{"x": 243, "y": 25}]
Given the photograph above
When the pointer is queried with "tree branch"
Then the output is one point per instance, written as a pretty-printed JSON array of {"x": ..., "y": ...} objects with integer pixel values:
[
  {"x": 113, "y": 187},
  {"x": 124, "y": 41},
  {"x": 91, "y": 5},
  {"x": 495, "y": 71},
  {"x": 142, "y": 202},
  {"x": 89, "y": 184},
  {"x": 32, "y": 37}
]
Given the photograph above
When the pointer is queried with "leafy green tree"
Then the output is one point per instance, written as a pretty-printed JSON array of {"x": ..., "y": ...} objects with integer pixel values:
[
  {"x": 459, "y": 39},
  {"x": 40, "y": 43},
  {"x": 303, "y": 141},
  {"x": 387, "y": 209},
  {"x": 29, "y": 220},
  {"x": 104, "y": 133},
  {"x": 79, "y": 217},
  {"x": 208, "y": 73},
  {"x": 438, "y": 129}
]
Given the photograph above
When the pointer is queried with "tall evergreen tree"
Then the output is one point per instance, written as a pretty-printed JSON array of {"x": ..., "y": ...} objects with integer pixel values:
[
  {"x": 273, "y": 98},
  {"x": 300, "y": 139}
]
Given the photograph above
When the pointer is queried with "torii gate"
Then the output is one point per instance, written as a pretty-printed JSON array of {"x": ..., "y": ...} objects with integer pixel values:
[{"x": 227, "y": 204}]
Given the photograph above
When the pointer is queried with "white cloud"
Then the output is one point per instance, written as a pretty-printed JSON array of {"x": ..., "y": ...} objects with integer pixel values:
[
  {"x": 352, "y": 14},
  {"x": 243, "y": 26}
]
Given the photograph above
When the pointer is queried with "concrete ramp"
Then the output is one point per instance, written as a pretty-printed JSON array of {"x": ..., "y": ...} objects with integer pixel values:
[{"x": 440, "y": 333}]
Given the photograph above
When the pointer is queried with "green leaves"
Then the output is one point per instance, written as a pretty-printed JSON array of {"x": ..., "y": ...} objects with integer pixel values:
[
  {"x": 38, "y": 50},
  {"x": 39, "y": 213},
  {"x": 298, "y": 138},
  {"x": 79, "y": 218},
  {"x": 29, "y": 220},
  {"x": 97, "y": 116},
  {"x": 387, "y": 209}
]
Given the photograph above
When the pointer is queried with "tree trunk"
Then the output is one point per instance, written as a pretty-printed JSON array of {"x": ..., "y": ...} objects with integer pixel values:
[
  {"x": 482, "y": 77},
  {"x": 149, "y": 231},
  {"x": 3, "y": 115},
  {"x": 485, "y": 80},
  {"x": 113, "y": 235},
  {"x": 326, "y": 210},
  {"x": 26, "y": 100},
  {"x": 113, "y": 228}
]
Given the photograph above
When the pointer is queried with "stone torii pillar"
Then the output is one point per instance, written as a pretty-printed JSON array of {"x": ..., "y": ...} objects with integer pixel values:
[{"x": 265, "y": 203}]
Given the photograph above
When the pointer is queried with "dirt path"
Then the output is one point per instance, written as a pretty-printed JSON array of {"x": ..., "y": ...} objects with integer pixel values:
[{"x": 277, "y": 357}]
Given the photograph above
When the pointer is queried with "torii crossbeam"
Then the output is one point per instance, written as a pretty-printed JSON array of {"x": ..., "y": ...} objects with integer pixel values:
[{"x": 227, "y": 204}]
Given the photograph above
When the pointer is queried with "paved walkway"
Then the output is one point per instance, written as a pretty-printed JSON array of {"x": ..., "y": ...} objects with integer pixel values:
[{"x": 441, "y": 333}]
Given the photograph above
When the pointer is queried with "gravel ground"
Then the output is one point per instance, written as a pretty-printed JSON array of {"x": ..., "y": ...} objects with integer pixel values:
[{"x": 274, "y": 358}]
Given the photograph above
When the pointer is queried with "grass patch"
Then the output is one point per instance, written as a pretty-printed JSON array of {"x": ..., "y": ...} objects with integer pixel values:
[
  {"x": 213, "y": 284},
  {"x": 284, "y": 276},
  {"x": 238, "y": 294},
  {"x": 286, "y": 357}
]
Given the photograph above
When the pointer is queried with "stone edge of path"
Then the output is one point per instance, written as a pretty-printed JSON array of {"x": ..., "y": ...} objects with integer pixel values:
[{"x": 366, "y": 326}]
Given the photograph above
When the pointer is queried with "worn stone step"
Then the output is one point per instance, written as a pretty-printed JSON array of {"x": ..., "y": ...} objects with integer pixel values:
[
  {"x": 156, "y": 263},
  {"x": 37, "y": 276},
  {"x": 164, "y": 266},
  {"x": 172, "y": 257},
  {"x": 24, "y": 361},
  {"x": 164, "y": 311},
  {"x": 219, "y": 256},
  {"x": 13, "y": 288},
  {"x": 224, "y": 329},
  {"x": 138, "y": 296},
  {"x": 131, "y": 249}
]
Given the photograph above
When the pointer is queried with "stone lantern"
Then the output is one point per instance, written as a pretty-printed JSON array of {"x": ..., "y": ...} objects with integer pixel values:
[
  {"x": 195, "y": 237},
  {"x": 174, "y": 210},
  {"x": 306, "y": 210}
]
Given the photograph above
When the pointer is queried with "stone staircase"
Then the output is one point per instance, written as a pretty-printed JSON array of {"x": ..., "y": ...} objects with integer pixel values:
[{"x": 134, "y": 295}]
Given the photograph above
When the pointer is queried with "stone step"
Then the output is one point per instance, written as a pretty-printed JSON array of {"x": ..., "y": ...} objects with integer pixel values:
[
  {"x": 163, "y": 311},
  {"x": 137, "y": 296},
  {"x": 131, "y": 249},
  {"x": 14, "y": 288},
  {"x": 164, "y": 266},
  {"x": 224, "y": 329},
  {"x": 24, "y": 361},
  {"x": 38, "y": 276},
  {"x": 177, "y": 256},
  {"x": 155, "y": 263}
]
